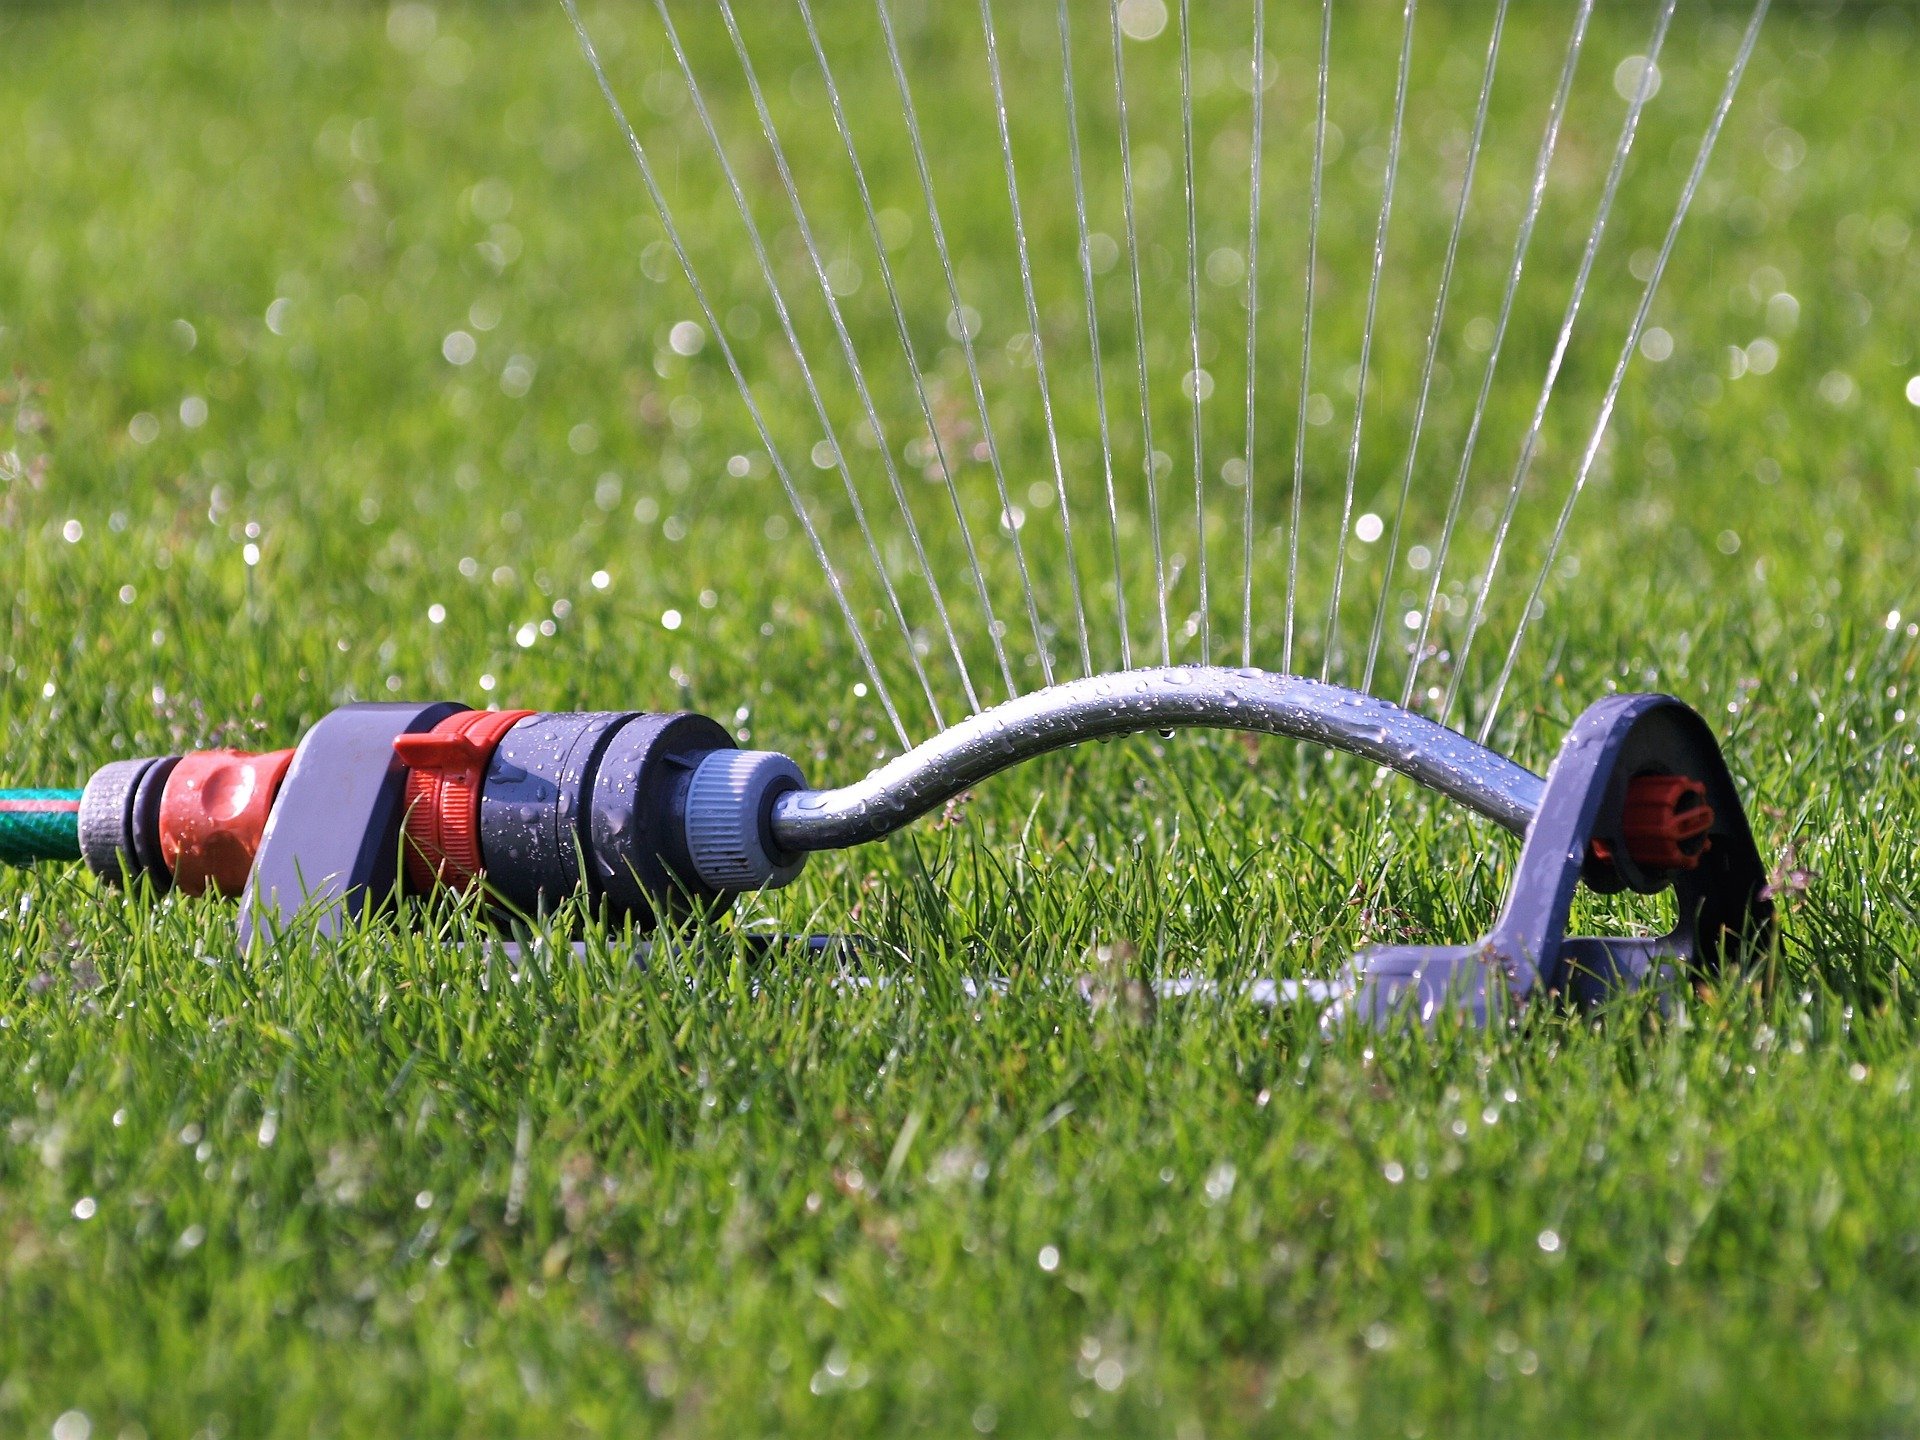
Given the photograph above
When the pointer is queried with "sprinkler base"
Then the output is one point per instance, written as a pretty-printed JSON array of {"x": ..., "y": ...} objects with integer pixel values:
[{"x": 1592, "y": 828}]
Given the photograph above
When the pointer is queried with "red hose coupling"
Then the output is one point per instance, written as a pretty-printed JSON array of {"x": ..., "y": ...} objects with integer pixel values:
[
  {"x": 1665, "y": 821},
  {"x": 212, "y": 814},
  {"x": 446, "y": 768}
]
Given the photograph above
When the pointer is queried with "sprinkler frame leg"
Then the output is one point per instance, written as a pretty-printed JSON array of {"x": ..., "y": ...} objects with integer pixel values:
[
  {"x": 331, "y": 846},
  {"x": 1724, "y": 914}
]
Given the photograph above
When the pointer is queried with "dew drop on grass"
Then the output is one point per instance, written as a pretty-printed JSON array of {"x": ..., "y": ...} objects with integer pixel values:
[
  {"x": 1627, "y": 77},
  {"x": 686, "y": 338},
  {"x": 1142, "y": 19},
  {"x": 1220, "y": 1181}
]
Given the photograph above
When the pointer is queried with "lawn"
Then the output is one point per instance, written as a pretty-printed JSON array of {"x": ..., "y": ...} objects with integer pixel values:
[{"x": 339, "y": 358}]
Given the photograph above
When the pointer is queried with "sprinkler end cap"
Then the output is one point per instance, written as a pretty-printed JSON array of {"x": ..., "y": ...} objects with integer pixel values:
[
  {"x": 106, "y": 819},
  {"x": 729, "y": 799}
]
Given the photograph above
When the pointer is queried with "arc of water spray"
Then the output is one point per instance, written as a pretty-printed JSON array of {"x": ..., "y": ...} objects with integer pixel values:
[
  {"x": 665, "y": 213},
  {"x": 1253, "y": 323},
  {"x": 1093, "y": 329},
  {"x": 1522, "y": 241},
  {"x": 1033, "y": 330},
  {"x": 1529, "y": 446},
  {"x": 1306, "y": 329},
  {"x": 907, "y": 346},
  {"x": 911, "y": 115},
  {"x": 1433, "y": 340},
  {"x": 1366, "y": 334},
  {"x": 1193, "y": 326},
  {"x": 1632, "y": 343},
  {"x": 1528, "y": 450},
  {"x": 1139, "y": 326},
  {"x": 847, "y": 349},
  {"x": 818, "y": 401}
]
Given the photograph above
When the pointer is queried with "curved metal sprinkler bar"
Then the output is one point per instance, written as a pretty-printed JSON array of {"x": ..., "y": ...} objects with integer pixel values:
[{"x": 1130, "y": 701}]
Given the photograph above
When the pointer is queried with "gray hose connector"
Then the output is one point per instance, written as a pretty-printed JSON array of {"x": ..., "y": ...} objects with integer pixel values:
[
  {"x": 120, "y": 821},
  {"x": 729, "y": 834}
]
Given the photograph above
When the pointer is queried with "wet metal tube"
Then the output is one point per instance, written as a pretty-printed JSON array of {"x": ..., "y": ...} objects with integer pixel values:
[{"x": 1171, "y": 698}]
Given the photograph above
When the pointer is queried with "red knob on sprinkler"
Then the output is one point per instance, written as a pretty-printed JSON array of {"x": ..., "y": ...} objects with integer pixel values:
[{"x": 1665, "y": 821}]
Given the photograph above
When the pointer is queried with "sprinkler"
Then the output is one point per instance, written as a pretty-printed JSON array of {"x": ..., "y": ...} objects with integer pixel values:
[{"x": 653, "y": 815}]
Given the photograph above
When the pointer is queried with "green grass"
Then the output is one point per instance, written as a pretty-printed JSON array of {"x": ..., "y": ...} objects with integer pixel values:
[{"x": 390, "y": 1186}]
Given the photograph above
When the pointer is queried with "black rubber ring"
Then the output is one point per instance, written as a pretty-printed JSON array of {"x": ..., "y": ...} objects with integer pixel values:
[{"x": 143, "y": 824}]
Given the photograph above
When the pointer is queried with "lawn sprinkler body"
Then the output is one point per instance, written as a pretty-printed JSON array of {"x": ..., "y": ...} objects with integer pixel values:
[{"x": 653, "y": 814}]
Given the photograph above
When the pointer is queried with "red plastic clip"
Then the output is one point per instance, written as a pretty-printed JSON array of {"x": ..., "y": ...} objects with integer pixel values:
[{"x": 446, "y": 767}]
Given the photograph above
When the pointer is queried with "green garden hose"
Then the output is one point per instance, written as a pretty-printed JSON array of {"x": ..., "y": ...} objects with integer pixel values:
[{"x": 39, "y": 825}]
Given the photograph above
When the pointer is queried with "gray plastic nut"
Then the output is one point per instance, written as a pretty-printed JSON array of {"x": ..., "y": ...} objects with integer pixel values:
[
  {"x": 534, "y": 801},
  {"x": 636, "y": 851},
  {"x": 106, "y": 819},
  {"x": 729, "y": 838}
]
